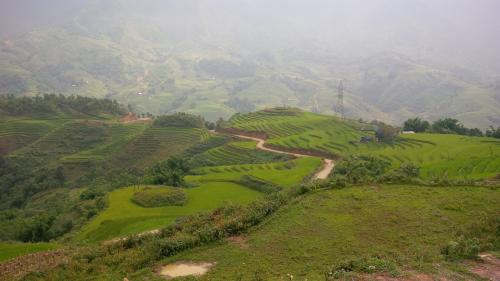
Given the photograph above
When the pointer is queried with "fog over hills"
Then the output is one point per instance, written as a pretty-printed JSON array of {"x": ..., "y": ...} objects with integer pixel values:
[{"x": 398, "y": 59}]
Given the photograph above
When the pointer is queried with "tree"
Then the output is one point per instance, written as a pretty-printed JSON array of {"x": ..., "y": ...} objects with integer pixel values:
[
  {"x": 385, "y": 133},
  {"x": 448, "y": 126},
  {"x": 416, "y": 124},
  {"x": 493, "y": 133},
  {"x": 170, "y": 172}
]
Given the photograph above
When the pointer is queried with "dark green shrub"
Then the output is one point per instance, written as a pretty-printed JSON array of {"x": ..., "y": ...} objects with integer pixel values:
[
  {"x": 462, "y": 248},
  {"x": 361, "y": 168},
  {"x": 363, "y": 265}
]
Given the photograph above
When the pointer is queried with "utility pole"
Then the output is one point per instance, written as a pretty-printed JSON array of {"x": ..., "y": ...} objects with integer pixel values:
[{"x": 340, "y": 100}]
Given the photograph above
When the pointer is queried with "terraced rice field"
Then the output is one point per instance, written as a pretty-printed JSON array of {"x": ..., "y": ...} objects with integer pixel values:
[
  {"x": 452, "y": 156},
  {"x": 215, "y": 186},
  {"x": 236, "y": 153},
  {"x": 285, "y": 174},
  {"x": 304, "y": 130},
  {"x": 123, "y": 217},
  {"x": 159, "y": 143},
  {"x": 16, "y": 134}
]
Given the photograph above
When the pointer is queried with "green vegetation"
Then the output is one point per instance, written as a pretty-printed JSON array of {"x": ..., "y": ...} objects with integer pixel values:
[
  {"x": 159, "y": 196},
  {"x": 123, "y": 217},
  {"x": 438, "y": 155},
  {"x": 285, "y": 174},
  {"x": 391, "y": 228},
  {"x": 180, "y": 119},
  {"x": 236, "y": 153},
  {"x": 227, "y": 187},
  {"x": 170, "y": 172},
  {"x": 46, "y": 163},
  {"x": 60, "y": 106},
  {"x": 12, "y": 250}
]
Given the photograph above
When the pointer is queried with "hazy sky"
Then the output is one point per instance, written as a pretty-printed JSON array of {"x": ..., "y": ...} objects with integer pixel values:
[{"x": 457, "y": 29}]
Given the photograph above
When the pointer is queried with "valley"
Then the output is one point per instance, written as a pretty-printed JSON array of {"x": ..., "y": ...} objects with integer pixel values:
[
  {"x": 248, "y": 160},
  {"x": 249, "y": 140}
]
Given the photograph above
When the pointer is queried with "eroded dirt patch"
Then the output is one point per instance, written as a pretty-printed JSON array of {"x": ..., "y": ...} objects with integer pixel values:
[
  {"x": 180, "y": 269},
  {"x": 18, "y": 267},
  {"x": 487, "y": 267}
]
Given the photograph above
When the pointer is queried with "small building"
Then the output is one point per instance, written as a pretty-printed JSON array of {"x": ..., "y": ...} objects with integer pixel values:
[{"x": 407, "y": 132}]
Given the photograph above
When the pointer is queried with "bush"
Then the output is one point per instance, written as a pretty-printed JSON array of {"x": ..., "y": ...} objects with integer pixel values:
[
  {"x": 361, "y": 168},
  {"x": 159, "y": 196},
  {"x": 364, "y": 265},
  {"x": 462, "y": 248},
  {"x": 406, "y": 173},
  {"x": 338, "y": 181}
]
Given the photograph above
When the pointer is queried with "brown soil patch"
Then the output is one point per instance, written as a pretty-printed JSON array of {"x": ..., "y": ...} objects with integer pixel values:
[
  {"x": 180, "y": 269},
  {"x": 132, "y": 118},
  {"x": 409, "y": 277},
  {"x": 487, "y": 267},
  {"x": 18, "y": 267},
  {"x": 239, "y": 241}
]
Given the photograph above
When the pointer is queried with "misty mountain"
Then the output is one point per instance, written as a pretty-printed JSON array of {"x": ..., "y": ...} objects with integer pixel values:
[{"x": 397, "y": 59}]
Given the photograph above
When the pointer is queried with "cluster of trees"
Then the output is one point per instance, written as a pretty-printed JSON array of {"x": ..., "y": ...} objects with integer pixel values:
[
  {"x": 56, "y": 105},
  {"x": 20, "y": 179},
  {"x": 365, "y": 168},
  {"x": 170, "y": 172},
  {"x": 180, "y": 119},
  {"x": 493, "y": 133},
  {"x": 447, "y": 126}
]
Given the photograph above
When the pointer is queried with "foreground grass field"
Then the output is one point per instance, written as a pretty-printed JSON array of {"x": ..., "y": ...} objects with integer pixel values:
[
  {"x": 438, "y": 155},
  {"x": 123, "y": 217},
  {"x": 12, "y": 250},
  {"x": 406, "y": 226}
]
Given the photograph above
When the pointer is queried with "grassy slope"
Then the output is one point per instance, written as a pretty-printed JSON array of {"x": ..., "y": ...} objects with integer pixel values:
[
  {"x": 123, "y": 217},
  {"x": 407, "y": 225},
  {"x": 452, "y": 155},
  {"x": 12, "y": 250},
  {"x": 215, "y": 187}
]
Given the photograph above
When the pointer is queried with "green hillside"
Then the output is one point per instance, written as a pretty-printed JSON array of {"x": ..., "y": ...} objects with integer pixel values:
[
  {"x": 55, "y": 170},
  {"x": 398, "y": 227},
  {"x": 438, "y": 155},
  {"x": 73, "y": 181},
  {"x": 128, "y": 60}
]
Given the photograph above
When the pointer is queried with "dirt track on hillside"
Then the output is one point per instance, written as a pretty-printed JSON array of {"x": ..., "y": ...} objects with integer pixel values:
[{"x": 320, "y": 175}]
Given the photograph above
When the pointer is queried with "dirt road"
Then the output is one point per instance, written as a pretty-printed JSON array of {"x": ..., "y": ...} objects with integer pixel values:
[{"x": 320, "y": 175}]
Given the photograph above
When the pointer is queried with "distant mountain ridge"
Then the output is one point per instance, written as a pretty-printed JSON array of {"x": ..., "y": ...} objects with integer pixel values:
[{"x": 178, "y": 58}]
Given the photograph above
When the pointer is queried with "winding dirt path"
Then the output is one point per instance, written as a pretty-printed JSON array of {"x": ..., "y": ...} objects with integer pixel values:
[{"x": 320, "y": 175}]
